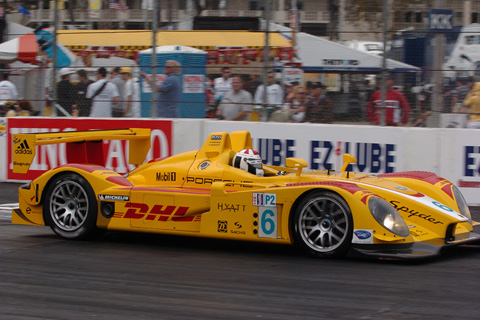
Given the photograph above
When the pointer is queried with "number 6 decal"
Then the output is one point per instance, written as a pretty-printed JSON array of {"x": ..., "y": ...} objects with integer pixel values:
[{"x": 267, "y": 222}]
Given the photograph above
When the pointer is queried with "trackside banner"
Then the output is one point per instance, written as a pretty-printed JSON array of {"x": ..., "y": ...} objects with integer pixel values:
[{"x": 51, "y": 156}]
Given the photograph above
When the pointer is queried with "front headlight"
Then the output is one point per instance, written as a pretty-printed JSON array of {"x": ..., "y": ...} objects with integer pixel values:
[
  {"x": 462, "y": 204},
  {"x": 387, "y": 216}
]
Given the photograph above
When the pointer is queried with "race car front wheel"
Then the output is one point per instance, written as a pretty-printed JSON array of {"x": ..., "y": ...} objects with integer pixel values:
[
  {"x": 70, "y": 207},
  {"x": 323, "y": 225}
]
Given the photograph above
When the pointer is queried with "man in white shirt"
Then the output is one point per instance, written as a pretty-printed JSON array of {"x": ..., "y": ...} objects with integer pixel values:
[
  {"x": 103, "y": 94},
  {"x": 131, "y": 94},
  {"x": 236, "y": 104},
  {"x": 274, "y": 98},
  {"x": 8, "y": 91},
  {"x": 222, "y": 84}
]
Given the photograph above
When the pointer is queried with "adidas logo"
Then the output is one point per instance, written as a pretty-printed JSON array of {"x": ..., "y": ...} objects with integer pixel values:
[{"x": 23, "y": 148}]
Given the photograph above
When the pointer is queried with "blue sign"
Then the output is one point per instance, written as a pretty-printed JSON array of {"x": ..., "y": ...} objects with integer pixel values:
[{"x": 440, "y": 20}]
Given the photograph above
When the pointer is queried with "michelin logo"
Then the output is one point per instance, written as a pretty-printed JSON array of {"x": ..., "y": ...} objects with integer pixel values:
[{"x": 113, "y": 197}]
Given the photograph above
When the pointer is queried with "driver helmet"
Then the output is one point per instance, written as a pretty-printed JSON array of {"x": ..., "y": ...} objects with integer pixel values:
[{"x": 249, "y": 160}]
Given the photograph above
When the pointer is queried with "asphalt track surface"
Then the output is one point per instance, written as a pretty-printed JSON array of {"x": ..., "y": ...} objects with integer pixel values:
[{"x": 146, "y": 276}]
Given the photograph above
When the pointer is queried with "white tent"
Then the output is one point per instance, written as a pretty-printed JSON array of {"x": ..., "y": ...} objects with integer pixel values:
[{"x": 320, "y": 55}]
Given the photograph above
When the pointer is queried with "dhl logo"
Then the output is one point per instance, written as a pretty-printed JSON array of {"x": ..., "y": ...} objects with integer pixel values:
[{"x": 157, "y": 213}]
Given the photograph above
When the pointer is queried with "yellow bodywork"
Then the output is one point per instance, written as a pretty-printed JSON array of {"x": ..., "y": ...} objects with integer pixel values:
[{"x": 199, "y": 193}]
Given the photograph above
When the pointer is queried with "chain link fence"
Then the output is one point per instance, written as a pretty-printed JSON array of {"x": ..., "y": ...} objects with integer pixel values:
[{"x": 433, "y": 67}]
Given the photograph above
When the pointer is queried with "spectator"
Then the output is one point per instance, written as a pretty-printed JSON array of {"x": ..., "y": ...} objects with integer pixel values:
[
  {"x": 103, "y": 94},
  {"x": 472, "y": 102},
  {"x": 297, "y": 105},
  {"x": 169, "y": 90},
  {"x": 8, "y": 90},
  {"x": 252, "y": 84},
  {"x": 397, "y": 109},
  {"x": 236, "y": 104},
  {"x": 66, "y": 93},
  {"x": 294, "y": 108},
  {"x": 319, "y": 107},
  {"x": 132, "y": 94},
  {"x": 223, "y": 84},
  {"x": 274, "y": 97},
  {"x": 116, "y": 79},
  {"x": 10, "y": 108},
  {"x": 24, "y": 108},
  {"x": 463, "y": 87},
  {"x": 83, "y": 104}
]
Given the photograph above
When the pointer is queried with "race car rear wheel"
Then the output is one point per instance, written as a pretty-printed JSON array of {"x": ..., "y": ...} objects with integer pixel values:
[
  {"x": 323, "y": 225},
  {"x": 70, "y": 207}
]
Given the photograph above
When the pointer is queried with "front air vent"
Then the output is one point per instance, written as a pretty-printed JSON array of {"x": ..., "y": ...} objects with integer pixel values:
[{"x": 450, "y": 234}]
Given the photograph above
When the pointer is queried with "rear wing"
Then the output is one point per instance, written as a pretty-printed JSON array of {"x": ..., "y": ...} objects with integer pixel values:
[{"x": 82, "y": 146}]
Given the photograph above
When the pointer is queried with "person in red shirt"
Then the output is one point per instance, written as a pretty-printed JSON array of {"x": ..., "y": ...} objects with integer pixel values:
[{"x": 397, "y": 109}]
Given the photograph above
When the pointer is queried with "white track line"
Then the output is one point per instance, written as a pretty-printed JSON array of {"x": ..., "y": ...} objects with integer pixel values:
[{"x": 7, "y": 208}]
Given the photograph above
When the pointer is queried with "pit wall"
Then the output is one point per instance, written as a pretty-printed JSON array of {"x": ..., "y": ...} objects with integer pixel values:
[{"x": 451, "y": 153}]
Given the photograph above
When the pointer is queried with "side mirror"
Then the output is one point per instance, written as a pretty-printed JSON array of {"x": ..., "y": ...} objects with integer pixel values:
[
  {"x": 296, "y": 163},
  {"x": 347, "y": 159}
]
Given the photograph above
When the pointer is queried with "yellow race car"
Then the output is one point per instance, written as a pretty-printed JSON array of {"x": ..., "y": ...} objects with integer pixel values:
[{"x": 224, "y": 191}]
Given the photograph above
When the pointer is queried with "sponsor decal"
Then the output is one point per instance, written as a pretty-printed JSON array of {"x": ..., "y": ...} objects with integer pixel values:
[
  {"x": 201, "y": 180},
  {"x": 362, "y": 236},
  {"x": 418, "y": 233},
  {"x": 23, "y": 148},
  {"x": 216, "y": 137},
  {"x": 166, "y": 176},
  {"x": 222, "y": 226},
  {"x": 231, "y": 207},
  {"x": 28, "y": 210},
  {"x": 157, "y": 213},
  {"x": 238, "y": 228},
  {"x": 21, "y": 164},
  {"x": 264, "y": 199},
  {"x": 413, "y": 213},
  {"x": 442, "y": 206},
  {"x": 113, "y": 197},
  {"x": 204, "y": 165}
]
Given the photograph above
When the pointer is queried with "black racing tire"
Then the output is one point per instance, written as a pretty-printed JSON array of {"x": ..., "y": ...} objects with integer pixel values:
[
  {"x": 70, "y": 207},
  {"x": 322, "y": 224}
]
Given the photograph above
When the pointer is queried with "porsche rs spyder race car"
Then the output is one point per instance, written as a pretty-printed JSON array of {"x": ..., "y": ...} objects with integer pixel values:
[{"x": 224, "y": 191}]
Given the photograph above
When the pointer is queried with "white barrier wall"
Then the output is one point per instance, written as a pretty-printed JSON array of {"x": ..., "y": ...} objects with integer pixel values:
[{"x": 450, "y": 153}]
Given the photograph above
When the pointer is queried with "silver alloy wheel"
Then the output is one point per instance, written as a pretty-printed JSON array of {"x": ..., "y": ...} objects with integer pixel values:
[
  {"x": 69, "y": 205},
  {"x": 323, "y": 224}
]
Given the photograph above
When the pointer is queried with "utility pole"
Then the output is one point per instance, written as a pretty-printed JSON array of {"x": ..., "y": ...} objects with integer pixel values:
[
  {"x": 266, "y": 56},
  {"x": 153, "y": 107},
  {"x": 384, "y": 61},
  {"x": 438, "y": 58}
]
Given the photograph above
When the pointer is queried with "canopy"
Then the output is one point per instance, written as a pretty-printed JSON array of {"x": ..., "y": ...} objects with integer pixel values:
[
  {"x": 142, "y": 39},
  {"x": 320, "y": 55},
  {"x": 23, "y": 48}
]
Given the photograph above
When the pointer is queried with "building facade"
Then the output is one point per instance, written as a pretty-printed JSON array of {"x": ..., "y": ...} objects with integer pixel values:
[{"x": 335, "y": 19}]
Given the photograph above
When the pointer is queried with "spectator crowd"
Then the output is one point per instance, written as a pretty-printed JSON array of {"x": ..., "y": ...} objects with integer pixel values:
[{"x": 242, "y": 98}]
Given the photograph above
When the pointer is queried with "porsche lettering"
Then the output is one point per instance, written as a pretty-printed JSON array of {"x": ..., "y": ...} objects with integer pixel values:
[{"x": 201, "y": 180}]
